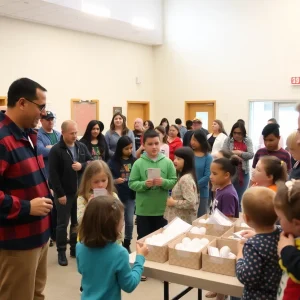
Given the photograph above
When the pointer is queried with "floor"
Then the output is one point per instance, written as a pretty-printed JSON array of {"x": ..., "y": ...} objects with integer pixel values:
[{"x": 63, "y": 283}]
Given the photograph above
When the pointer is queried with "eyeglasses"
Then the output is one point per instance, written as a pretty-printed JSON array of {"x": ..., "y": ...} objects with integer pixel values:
[
  {"x": 237, "y": 133},
  {"x": 41, "y": 107}
]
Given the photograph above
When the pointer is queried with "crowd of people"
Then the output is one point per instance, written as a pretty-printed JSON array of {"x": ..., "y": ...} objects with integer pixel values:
[{"x": 49, "y": 179}]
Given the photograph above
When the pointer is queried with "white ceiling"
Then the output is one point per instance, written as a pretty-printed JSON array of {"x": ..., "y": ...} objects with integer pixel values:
[{"x": 67, "y": 14}]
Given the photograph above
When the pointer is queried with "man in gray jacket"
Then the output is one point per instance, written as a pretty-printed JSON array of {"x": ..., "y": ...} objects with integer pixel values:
[{"x": 47, "y": 137}]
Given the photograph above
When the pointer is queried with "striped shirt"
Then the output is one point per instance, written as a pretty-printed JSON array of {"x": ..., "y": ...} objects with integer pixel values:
[
  {"x": 281, "y": 154},
  {"x": 22, "y": 178}
]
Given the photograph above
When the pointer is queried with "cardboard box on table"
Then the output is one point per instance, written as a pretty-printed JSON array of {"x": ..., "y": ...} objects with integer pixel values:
[
  {"x": 233, "y": 229},
  {"x": 187, "y": 259},
  {"x": 213, "y": 229},
  {"x": 239, "y": 223},
  {"x": 159, "y": 253},
  {"x": 219, "y": 265}
]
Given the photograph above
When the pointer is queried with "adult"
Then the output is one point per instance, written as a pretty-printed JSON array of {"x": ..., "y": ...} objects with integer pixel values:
[
  {"x": 46, "y": 138},
  {"x": 165, "y": 123},
  {"x": 261, "y": 143},
  {"x": 294, "y": 149},
  {"x": 117, "y": 129},
  {"x": 174, "y": 141},
  {"x": 148, "y": 125},
  {"x": 182, "y": 128},
  {"x": 217, "y": 137},
  {"x": 67, "y": 161},
  {"x": 95, "y": 140},
  {"x": 197, "y": 124},
  {"x": 202, "y": 163},
  {"x": 138, "y": 132},
  {"x": 188, "y": 135},
  {"x": 241, "y": 146},
  {"x": 25, "y": 201}
]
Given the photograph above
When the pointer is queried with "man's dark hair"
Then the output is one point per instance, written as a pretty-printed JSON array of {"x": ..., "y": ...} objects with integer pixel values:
[
  {"x": 189, "y": 124},
  {"x": 178, "y": 121},
  {"x": 273, "y": 120},
  {"x": 271, "y": 128},
  {"x": 149, "y": 134},
  {"x": 22, "y": 88}
]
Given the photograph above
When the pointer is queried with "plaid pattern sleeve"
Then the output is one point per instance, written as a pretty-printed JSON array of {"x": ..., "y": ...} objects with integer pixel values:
[{"x": 22, "y": 178}]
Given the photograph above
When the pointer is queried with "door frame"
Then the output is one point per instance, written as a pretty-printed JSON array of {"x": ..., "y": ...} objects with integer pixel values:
[
  {"x": 186, "y": 106},
  {"x": 146, "y": 103}
]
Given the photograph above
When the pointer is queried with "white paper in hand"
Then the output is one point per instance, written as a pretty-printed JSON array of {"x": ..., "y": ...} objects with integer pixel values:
[
  {"x": 153, "y": 173},
  {"x": 99, "y": 192}
]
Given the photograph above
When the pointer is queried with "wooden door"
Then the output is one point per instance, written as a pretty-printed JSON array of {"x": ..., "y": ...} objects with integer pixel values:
[
  {"x": 137, "y": 109},
  {"x": 3, "y": 103},
  {"x": 204, "y": 110}
]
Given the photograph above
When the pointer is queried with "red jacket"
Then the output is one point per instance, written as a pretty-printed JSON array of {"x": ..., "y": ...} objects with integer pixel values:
[
  {"x": 177, "y": 143},
  {"x": 22, "y": 178}
]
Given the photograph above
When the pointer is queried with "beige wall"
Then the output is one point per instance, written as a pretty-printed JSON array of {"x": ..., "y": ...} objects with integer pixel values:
[
  {"x": 227, "y": 50},
  {"x": 71, "y": 64}
]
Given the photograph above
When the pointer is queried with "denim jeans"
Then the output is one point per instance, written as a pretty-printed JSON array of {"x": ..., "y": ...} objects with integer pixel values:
[
  {"x": 149, "y": 224},
  {"x": 64, "y": 213},
  {"x": 240, "y": 189},
  {"x": 203, "y": 207},
  {"x": 128, "y": 216}
]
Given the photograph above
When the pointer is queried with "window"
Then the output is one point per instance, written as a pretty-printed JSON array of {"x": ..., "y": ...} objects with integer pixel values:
[{"x": 261, "y": 111}]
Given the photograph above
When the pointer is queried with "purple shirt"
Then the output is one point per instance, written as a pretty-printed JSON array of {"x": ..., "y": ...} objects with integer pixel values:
[{"x": 226, "y": 201}]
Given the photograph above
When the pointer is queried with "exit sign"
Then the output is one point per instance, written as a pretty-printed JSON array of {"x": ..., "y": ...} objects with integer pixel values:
[{"x": 295, "y": 80}]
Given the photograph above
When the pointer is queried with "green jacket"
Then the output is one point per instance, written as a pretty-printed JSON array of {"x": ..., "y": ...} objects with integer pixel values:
[{"x": 152, "y": 201}]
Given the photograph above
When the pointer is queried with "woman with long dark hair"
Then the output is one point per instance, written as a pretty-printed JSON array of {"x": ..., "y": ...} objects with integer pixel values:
[
  {"x": 120, "y": 165},
  {"x": 241, "y": 146},
  {"x": 148, "y": 125},
  {"x": 217, "y": 137},
  {"x": 184, "y": 199},
  {"x": 95, "y": 140},
  {"x": 165, "y": 123},
  {"x": 202, "y": 163},
  {"x": 117, "y": 129}
]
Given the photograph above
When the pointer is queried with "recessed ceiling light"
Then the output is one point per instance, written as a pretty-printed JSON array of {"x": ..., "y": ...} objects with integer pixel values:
[
  {"x": 96, "y": 10},
  {"x": 142, "y": 23}
]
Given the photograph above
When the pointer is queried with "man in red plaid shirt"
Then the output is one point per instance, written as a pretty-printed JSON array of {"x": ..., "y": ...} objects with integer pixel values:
[{"x": 25, "y": 203}]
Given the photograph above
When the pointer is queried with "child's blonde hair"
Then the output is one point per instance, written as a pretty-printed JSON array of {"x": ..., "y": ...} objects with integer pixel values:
[
  {"x": 288, "y": 199},
  {"x": 93, "y": 168},
  {"x": 100, "y": 221},
  {"x": 257, "y": 203}
]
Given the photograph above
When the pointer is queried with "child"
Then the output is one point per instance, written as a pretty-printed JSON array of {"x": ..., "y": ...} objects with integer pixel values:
[
  {"x": 269, "y": 170},
  {"x": 271, "y": 138},
  {"x": 287, "y": 208},
  {"x": 184, "y": 198},
  {"x": 121, "y": 164},
  {"x": 226, "y": 200},
  {"x": 103, "y": 264},
  {"x": 174, "y": 140},
  {"x": 96, "y": 175},
  {"x": 257, "y": 260},
  {"x": 202, "y": 163},
  {"x": 151, "y": 194},
  {"x": 164, "y": 147}
]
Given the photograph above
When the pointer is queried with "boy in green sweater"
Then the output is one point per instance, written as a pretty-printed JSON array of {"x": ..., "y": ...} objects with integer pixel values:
[{"x": 151, "y": 194}]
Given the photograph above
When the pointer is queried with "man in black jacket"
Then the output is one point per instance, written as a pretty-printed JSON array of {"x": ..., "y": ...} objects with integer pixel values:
[{"x": 67, "y": 161}]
